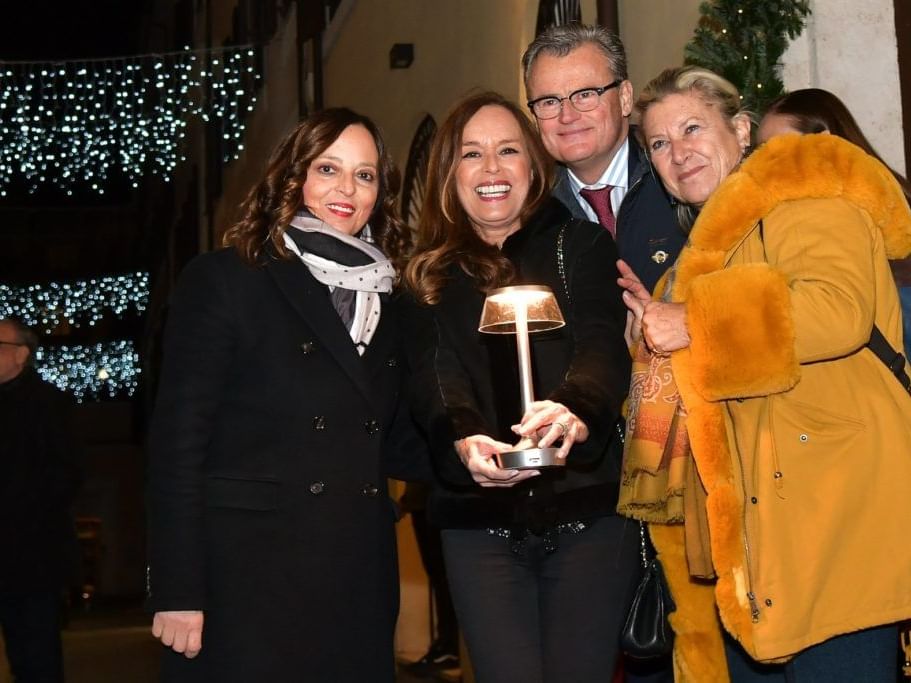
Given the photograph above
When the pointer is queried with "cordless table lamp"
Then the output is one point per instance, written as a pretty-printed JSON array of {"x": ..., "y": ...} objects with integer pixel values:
[{"x": 520, "y": 310}]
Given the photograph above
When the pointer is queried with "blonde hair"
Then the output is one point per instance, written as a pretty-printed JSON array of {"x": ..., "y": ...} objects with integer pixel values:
[{"x": 710, "y": 87}]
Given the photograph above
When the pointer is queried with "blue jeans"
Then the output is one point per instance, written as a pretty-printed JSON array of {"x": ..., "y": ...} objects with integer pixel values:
[{"x": 869, "y": 656}]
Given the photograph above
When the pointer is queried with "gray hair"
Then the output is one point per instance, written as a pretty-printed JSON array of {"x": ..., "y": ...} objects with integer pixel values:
[
  {"x": 24, "y": 335},
  {"x": 559, "y": 41}
]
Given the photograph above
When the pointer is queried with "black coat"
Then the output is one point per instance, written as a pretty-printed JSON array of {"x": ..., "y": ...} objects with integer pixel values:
[
  {"x": 270, "y": 447},
  {"x": 649, "y": 237},
  {"x": 39, "y": 477},
  {"x": 466, "y": 382}
]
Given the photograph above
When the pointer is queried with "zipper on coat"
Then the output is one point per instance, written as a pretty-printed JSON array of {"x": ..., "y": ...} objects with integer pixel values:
[{"x": 750, "y": 594}]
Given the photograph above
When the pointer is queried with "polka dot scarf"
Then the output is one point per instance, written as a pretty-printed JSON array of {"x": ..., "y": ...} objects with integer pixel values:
[{"x": 355, "y": 271}]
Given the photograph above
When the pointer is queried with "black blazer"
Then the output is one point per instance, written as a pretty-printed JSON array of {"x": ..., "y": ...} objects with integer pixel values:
[
  {"x": 269, "y": 451},
  {"x": 466, "y": 383},
  {"x": 649, "y": 238}
]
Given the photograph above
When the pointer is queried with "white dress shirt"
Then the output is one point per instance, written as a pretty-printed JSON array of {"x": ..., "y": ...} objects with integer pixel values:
[{"x": 616, "y": 175}]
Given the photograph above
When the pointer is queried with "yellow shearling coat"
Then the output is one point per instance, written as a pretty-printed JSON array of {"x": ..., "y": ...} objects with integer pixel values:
[{"x": 800, "y": 434}]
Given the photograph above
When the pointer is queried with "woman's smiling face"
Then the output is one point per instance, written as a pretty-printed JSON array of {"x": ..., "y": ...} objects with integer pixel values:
[
  {"x": 342, "y": 182},
  {"x": 494, "y": 173},
  {"x": 692, "y": 145}
]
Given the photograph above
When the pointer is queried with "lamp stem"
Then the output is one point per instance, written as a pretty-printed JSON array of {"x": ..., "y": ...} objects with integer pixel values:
[{"x": 522, "y": 348}]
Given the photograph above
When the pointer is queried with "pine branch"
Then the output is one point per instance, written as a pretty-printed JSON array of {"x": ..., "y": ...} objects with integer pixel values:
[{"x": 743, "y": 40}]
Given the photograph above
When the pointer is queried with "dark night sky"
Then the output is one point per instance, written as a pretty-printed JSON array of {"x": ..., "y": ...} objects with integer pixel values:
[{"x": 36, "y": 30}]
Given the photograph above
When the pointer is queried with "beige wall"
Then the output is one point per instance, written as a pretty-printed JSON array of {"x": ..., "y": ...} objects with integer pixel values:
[
  {"x": 655, "y": 33},
  {"x": 852, "y": 52},
  {"x": 458, "y": 45}
]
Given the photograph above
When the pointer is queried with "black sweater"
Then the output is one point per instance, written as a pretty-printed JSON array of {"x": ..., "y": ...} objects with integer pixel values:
[{"x": 466, "y": 382}]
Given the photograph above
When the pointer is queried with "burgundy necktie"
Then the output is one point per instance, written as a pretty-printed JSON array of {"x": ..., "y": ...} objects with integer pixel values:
[{"x": 600, "y": 202}]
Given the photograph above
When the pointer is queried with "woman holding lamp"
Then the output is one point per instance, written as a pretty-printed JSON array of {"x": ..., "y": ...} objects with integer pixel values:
[{"x": 527, "y": 550}]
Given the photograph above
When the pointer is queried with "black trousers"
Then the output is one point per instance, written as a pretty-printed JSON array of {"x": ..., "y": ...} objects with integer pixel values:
[
  {"x": 31, "y": 633},
  {"x": 431, "y": 550},
  {"x": 539, "y": 617}
]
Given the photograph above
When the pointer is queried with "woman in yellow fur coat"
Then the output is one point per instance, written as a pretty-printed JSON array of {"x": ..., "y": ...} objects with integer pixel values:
[{"x": 767, "y": 444}]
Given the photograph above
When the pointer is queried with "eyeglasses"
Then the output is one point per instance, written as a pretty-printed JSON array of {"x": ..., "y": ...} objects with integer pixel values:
[{"x": 586, "y": 99}]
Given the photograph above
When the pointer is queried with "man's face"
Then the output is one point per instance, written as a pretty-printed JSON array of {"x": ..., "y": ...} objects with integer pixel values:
[
  {"x": 13, "y": 354},
  {"x": 584, "y": 141}
]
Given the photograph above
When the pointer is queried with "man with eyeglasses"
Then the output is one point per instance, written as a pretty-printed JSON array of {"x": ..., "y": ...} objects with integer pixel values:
[
  {"x": 578, "y": 92},
  {"x": 39, "y": 477}
]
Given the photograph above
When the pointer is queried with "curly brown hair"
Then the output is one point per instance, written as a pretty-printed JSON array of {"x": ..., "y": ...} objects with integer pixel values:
[
  {"x": 271, "y": 204},
  {"x": 445, "y": 234}
]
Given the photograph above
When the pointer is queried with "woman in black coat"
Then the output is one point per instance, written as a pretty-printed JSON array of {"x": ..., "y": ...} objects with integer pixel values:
[
  {"x": 541, "y": 569},
  {"x": 272, "y": 542}
]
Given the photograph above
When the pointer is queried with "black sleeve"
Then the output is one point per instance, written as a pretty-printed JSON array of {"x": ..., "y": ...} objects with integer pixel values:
[
  {"x": 201, "y": 337},
  {"x": 442, "y": 398},
  {"x": 597, "y": 380},
  {"x": 407, "y": 456}
]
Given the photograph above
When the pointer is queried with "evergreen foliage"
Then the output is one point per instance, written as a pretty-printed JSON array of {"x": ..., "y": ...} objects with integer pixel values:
[{"x": 743, "y": 40}]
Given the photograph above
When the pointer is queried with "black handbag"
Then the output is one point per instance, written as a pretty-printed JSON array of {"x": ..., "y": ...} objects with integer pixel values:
[{"x": 646, "y": 633}]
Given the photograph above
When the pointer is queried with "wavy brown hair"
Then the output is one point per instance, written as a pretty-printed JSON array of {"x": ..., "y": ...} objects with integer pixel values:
[
  {"x": 445, "y": 233},
  {"x": 271, "y": 204},
  {"x": 814, "y": 110}
]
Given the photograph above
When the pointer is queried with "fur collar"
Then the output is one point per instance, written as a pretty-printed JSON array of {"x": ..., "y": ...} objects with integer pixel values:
[{"x": 797, "y": 167}]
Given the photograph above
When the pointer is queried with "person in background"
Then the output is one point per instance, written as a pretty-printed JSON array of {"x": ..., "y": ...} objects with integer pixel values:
[
  {"x": 40, "y": 476},
  {"x": 814, "y": 110},
  {"x": 541, "y": 569},
  {"x": 761, "y": 421},
  {"x": 443, "y": 653},
  {"x": 277, "y": 422},
  {"x": 581, "y": 98}
]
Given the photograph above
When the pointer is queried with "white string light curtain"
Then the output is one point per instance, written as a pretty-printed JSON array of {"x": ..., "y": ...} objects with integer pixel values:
[
  {"x": 46, "y": 306},
  {"x": 74, "y": 123},
  {"x": 105, "y": 370},
  {"x": 88, "y": 371}
]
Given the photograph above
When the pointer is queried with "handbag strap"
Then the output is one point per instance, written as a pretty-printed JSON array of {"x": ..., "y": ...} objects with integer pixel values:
[
  {"x": 892, "y": 359},
  {"x": 643, "y": 547},
  {"x": 878, "y": 344},
  {"x": 561, "y": 261}
]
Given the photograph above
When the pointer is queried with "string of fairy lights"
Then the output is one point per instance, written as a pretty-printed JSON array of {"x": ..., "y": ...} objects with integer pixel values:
[
  {"x": 47, "y": 306},
  {"x": 90, "y": 371},
  {"x": 72, "y": 124}
]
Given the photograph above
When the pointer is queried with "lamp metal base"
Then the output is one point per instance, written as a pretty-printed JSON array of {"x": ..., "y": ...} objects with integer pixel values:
[{"x": 530, "y": 459}]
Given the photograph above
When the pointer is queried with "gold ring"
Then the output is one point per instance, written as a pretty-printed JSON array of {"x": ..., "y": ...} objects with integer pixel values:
[{"x": 564, "y": 427}]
